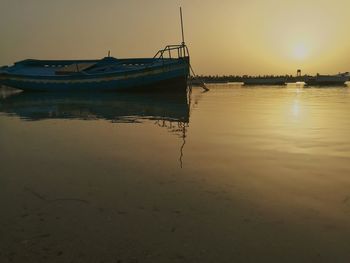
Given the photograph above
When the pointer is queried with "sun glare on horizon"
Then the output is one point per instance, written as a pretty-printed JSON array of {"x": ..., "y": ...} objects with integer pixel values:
[{"x": 300, "y": 51}]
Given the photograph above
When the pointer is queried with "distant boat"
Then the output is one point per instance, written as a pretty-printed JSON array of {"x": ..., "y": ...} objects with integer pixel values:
[
  {"x": 328, "y": 80},
  {"x": 264, "y": 81},
  {"x": 107, "y": 74}
]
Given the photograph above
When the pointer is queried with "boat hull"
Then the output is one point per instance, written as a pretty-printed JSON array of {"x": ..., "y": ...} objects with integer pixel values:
[{"x": 169, "y": 76}]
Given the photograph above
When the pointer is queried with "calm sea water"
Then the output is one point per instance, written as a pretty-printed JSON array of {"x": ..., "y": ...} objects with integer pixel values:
[{"x": 232, "y": 175}]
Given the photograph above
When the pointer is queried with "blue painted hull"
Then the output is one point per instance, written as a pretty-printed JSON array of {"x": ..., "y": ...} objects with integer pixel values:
[{"x": 158, "y": 76}]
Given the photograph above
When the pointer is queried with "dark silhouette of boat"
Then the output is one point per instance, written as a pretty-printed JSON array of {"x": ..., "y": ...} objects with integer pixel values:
[
  {"x": 270, "y": 81},
  {"x": 107, "y": 74},
  {"x": 328, "y": 80},
  {"x": 170, "y": 65}
]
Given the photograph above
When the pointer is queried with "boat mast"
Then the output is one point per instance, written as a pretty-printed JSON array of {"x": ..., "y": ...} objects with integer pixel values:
[
  {"x": 183, "y": 50},
  {"x": 182, "y": 28}
]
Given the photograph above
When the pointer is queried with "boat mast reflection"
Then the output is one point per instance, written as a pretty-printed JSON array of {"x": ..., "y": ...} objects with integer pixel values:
[{"x": 180, "y": 129}]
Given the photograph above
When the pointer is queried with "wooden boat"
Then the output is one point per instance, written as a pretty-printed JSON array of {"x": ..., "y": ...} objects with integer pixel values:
[
  {"x": 162, "y": 71},
  {"x": 107, "y": 74}
]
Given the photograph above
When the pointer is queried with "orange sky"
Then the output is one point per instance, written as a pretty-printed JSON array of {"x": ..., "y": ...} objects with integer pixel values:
[{"x": 225, "y": 37}]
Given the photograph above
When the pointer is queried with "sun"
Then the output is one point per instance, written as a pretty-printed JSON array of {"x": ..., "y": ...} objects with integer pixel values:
[{"x": 300, "y": 51}]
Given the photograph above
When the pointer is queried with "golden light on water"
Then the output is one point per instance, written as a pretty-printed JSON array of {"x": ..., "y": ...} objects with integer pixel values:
[{"x": 296, "y": 108}]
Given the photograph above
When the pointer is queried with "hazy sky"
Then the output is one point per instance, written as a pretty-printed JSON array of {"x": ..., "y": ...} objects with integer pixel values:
[{"x": 224, "y": 37}]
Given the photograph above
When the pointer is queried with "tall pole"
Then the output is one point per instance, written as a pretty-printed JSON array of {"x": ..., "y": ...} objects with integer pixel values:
[{"x": 182, "y": 28}]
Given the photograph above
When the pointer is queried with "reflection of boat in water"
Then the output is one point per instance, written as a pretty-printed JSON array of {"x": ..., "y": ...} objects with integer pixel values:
[
  {"x": 328, "y": 80},
  {"x": 170, "y": 111},
  {"x": 264, "y": 81},
  {"x": 120, "y": 107}
]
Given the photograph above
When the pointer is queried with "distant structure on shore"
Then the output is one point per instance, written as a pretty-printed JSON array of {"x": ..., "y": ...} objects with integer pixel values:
[{"x": 318, "y": 80}]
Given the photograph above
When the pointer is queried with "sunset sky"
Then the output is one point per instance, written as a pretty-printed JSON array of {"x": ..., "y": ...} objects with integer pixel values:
[{"x": 224, "y": 37}]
